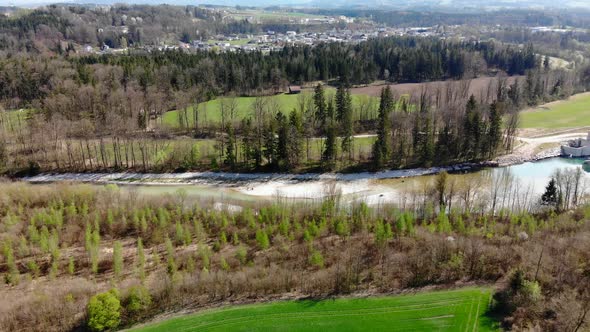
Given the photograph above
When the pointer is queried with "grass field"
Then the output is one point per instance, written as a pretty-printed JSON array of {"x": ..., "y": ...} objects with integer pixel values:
[
  {"x": 573, "y": 112},
  {"x": 14, "y": 119},
  {"x": 455, "y": 310},
  {"x": 210, "y": 112}
]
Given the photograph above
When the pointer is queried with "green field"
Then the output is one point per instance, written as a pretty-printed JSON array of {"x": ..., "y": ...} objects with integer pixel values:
[
  {"x": 574, "y": 112},
  {"x": 210, "y": 112},
  {"x": 455, "y": 310},
  {"x": 14, "y": 119}
]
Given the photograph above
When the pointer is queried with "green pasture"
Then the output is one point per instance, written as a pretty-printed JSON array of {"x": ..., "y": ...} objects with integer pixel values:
[
  {"x": 454, "y": 310},
  {"x": 14, "y": 119},
  {"x": 210, "y": 112},
  {"x": 573, "y": 112}
]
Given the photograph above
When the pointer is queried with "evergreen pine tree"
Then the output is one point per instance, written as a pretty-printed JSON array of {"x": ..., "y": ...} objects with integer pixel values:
[
  {"x": 230, "y": 148},
  {"x": 329, "y": 153},
  {"x": 344, "y": 117},
  {"x": 472, "y": 130},
  {"x": 494, "y": 135},
  {"x": 282, "y": 141},
  {"x": 381, "y": 148},
  {"x": 296, "y": 132},
  {"x": 551, "y": 196},
  {"x": 320, "y": 105}
]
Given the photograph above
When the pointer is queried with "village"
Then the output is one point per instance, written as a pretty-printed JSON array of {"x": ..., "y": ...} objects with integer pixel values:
[{"x": 275, "y": 41}]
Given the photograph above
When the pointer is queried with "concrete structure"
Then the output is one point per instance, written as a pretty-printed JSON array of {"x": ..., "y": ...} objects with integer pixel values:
[{"x": 577, "y": 148}]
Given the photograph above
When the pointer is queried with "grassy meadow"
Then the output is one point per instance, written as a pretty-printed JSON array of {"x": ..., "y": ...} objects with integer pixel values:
[
  {"x": 210, "y": 112},
  {"x": 573, "y": 112},
  {"x": 14, "y": 119},
  {"x": 454, "y": 310}
]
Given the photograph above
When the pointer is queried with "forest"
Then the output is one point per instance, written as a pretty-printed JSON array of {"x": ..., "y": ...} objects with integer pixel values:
[
  {"x": 104, "y": 112},
  {"x": 397, "y": 59},
  {"x": 84, "y": 246},
  {"x": 44, "y": 30}
]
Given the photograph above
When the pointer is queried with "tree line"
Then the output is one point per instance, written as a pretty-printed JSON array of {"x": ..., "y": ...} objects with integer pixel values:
[{"x": 26, "y": 79}]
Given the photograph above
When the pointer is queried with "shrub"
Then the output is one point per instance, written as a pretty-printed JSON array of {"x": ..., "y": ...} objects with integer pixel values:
[
  {"x": 140, "y": 260},
  {"x": 71, "y": 266},
  {"x": 224, "y": 264},
  {"x": 33, "y": 268},
  {"x": 139, "y": 299},
  {"x": 104, "y": 311},
  {"x": 531, "y": 291},
  {"x": 341, "y": 228},
  {"x": 117, "y": 259},
  {"x": 382, "y": 232},
  {"x": 205, "y": 256},
  {"x": 12, "y": 277},
  {"x": 242, "y": 254},
  {"x": 316, "y": 259},
  {"x": 223, "y": 239},
  {"x": 170, "y": 261},
  {"x": 190, "y": 264},
  {"x": 262, "y": 239}
]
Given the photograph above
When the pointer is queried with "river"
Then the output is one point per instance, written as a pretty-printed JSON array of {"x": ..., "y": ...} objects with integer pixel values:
[{"x": 372, "y": 188}]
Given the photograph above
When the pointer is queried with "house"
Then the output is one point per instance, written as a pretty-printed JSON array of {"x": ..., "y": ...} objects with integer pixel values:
[
  {"x": 294, "y": 89},
  {"x": 577, "y": 148}
]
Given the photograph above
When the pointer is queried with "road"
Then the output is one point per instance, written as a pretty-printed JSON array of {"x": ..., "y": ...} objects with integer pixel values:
[{"x": 531, "y": 148}]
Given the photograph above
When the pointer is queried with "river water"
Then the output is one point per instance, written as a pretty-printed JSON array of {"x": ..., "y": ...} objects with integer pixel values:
[{"x": 372, "y": 188}]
